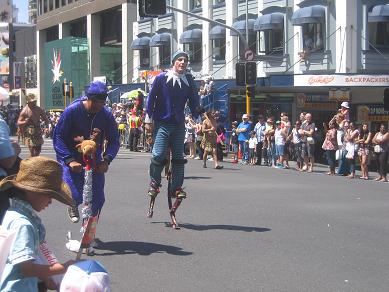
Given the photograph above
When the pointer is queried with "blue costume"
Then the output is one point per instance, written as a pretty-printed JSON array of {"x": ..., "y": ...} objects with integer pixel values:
[
  {"x": 76, "y": 122},
  {"x": 165, "y": 105}
]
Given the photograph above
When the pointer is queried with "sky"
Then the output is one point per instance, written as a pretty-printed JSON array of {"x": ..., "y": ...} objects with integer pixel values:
[{"x": 23, "y": 13}]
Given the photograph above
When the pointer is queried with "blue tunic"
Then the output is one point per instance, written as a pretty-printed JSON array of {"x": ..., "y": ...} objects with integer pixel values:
[
  {"x": 75, "y": 121},
  {"x": 166, "y": 102}
]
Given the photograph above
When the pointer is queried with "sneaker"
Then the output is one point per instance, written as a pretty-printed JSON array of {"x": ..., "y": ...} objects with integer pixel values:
[
  {"x": 197, "y": 158},
  {"x": 73, "y": 214}
]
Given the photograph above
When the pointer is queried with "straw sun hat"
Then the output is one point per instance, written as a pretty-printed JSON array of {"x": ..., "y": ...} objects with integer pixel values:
[{"x": 41, "y": 175}]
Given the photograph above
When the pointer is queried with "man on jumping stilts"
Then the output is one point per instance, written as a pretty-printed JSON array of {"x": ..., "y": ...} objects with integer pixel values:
[
  {"x": 86, "y": 118},
  {"x": 165, "y": 105}
]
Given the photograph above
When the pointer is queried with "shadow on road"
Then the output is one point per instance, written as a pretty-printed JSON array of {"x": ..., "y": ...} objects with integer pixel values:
[
  {"x": 136, "y": 247},
  {"x": 218, "y": 227},
  {"x": 197, "y": 177}
]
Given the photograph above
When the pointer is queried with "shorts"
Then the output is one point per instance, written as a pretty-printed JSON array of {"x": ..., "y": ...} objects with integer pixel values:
[
  {"x": 308, "y": 150},
  {"x": 251, "y": 152},
  {"x": 280, "y": 150}
]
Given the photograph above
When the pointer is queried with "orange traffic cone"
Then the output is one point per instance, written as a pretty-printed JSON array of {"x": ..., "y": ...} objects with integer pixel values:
[{"x": 239, "y": 153}]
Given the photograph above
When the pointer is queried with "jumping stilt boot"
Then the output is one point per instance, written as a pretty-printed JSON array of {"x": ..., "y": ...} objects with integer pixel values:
[
  {"x": 154, "y": 189},
  {"x": 153, "y": 192}
]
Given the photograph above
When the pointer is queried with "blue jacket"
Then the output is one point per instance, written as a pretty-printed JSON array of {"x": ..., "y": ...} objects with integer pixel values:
[
  {"x": 75, "y": 121},
  {"x": 166, "y": 102}
]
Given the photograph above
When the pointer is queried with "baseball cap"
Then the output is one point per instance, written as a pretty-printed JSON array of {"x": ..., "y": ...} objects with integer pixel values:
[
  {"x": 345, "y": 104},
  {"x": 245, "y": 116},
  {"x": 98, "y": 90},
  {"x": 86, "y": 276}
]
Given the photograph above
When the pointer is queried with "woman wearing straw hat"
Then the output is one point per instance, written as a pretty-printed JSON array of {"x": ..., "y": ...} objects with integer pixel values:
[{"x": 32, "y": 189}]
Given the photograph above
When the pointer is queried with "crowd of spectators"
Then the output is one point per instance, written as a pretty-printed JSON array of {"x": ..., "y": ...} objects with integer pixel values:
[{"x": 275, "y": 141}]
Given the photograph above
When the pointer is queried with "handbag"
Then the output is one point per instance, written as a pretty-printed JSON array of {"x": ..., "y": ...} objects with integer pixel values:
[
  {"x": 378, "y": 148},
  {"x": 310, "y": 140}
]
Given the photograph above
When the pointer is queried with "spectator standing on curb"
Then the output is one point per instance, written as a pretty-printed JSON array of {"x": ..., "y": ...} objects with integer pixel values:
[
  {"x": 381, "y": 149},
  {"x": 330, "y": 146},
  {"x": 260, "y": 135},
  {"x": 243, "y": 131},
  {"x": 364, "y": 142},
  {"x": 234, "y": 144}
]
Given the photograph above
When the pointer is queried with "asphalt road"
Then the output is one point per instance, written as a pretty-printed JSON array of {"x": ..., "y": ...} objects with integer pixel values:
[{"x": 244, "y": 228}]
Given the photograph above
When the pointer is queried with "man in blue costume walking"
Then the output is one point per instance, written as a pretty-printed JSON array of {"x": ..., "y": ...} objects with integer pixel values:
[
  {"x": 86, "y": 118},
  {"x": 166, "y": 101}
]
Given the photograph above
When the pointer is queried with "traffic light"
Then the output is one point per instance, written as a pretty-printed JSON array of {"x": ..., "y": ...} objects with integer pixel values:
[
  {"x": 152, "y": 8},
  {"x": 250, "y": 92},
  {"x": 240, "y": 69},
  {"x": 251, "y": 73}
]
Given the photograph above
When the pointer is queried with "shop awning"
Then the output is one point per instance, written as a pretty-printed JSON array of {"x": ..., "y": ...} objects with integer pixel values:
[
  {"x": 191, "y": 36},
  {"x": 380, "y": 13},
  {"x": 160, "y": 39},
  {"x": 217, "y": 32},
  {"x": 241, "y": 26},
  {"x": 140, "y": 43},
  {"x": 311, "y": 14},
  {"x": 269, "y": 21}
]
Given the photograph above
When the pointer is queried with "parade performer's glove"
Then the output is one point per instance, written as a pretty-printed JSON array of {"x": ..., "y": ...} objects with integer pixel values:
[{"x": 75, "y": 166}]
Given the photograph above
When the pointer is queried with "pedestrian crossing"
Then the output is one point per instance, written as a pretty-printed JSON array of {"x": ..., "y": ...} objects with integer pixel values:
[{"x": 48, "y": 150}]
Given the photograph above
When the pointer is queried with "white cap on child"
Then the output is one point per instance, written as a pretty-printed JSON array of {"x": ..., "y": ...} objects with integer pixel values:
[{"x": 85, "y": 276}]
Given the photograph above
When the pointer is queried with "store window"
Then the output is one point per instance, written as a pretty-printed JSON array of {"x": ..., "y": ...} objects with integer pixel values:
[
  {"x": 217, "y": 2},
  {"x": 194, "y": 52},
  {"x": 379, "y": 35},
  {"x": 56, "y": 4},
  {"x": 274, "y": 41},
  {"x": 313, "y": 37},
  {"x": 144, "y": 58},
  {"x": 219, "y": 49},
  {"x": 51, "y": 5},
  {"x": 194, "y": 4},
  {"x": 164, "y": 55},
  {"x": 45, "y": 6}
]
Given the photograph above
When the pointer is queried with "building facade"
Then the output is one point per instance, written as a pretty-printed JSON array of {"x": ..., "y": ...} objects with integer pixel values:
[{"x": 310, "y": 54}]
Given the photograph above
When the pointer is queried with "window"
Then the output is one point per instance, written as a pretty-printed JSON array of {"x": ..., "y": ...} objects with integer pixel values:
[
  {"x": 274, "y": 41},
  {"x": 45, "y": 6},
  {"x": 313, "y": 37},
  {"x": 216, "y": 2},
  {"x": 194, "y": 4},
  {"x": 144, "y": 58},
  {"x": 56, "y": 4},
  {"x": 194, "y": 52},
  {"x": 51, "y": 5},
  {"x": 63, "y": 2},
  {"x": 164, "y": 55},
  {"x": 252, "y": 44},
  {"x": 379, "y": 35},
  {"x": 219, "y": 49}
]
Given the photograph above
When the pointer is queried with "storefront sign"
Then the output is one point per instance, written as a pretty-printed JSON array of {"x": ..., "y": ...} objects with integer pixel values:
[
  {"x": 339, "y": 95},
  {"x": 320, "y": 106},
  {"x": 341, "y": 80},
  {"x": 372, "y": 113}
]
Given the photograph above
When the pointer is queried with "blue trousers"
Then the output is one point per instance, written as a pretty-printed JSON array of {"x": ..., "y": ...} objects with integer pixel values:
[
  {"x": 76, "y": 184},
  {"x": 168, "y": 136},
  {"x": 244, "y": 148}
]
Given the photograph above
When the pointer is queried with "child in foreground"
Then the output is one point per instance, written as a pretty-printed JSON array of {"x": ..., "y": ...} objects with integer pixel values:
[{"x": 32, "y": 189}]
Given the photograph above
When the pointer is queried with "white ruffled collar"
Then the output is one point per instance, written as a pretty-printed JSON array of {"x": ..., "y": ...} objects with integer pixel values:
[{"x": 176, "y": 77}]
